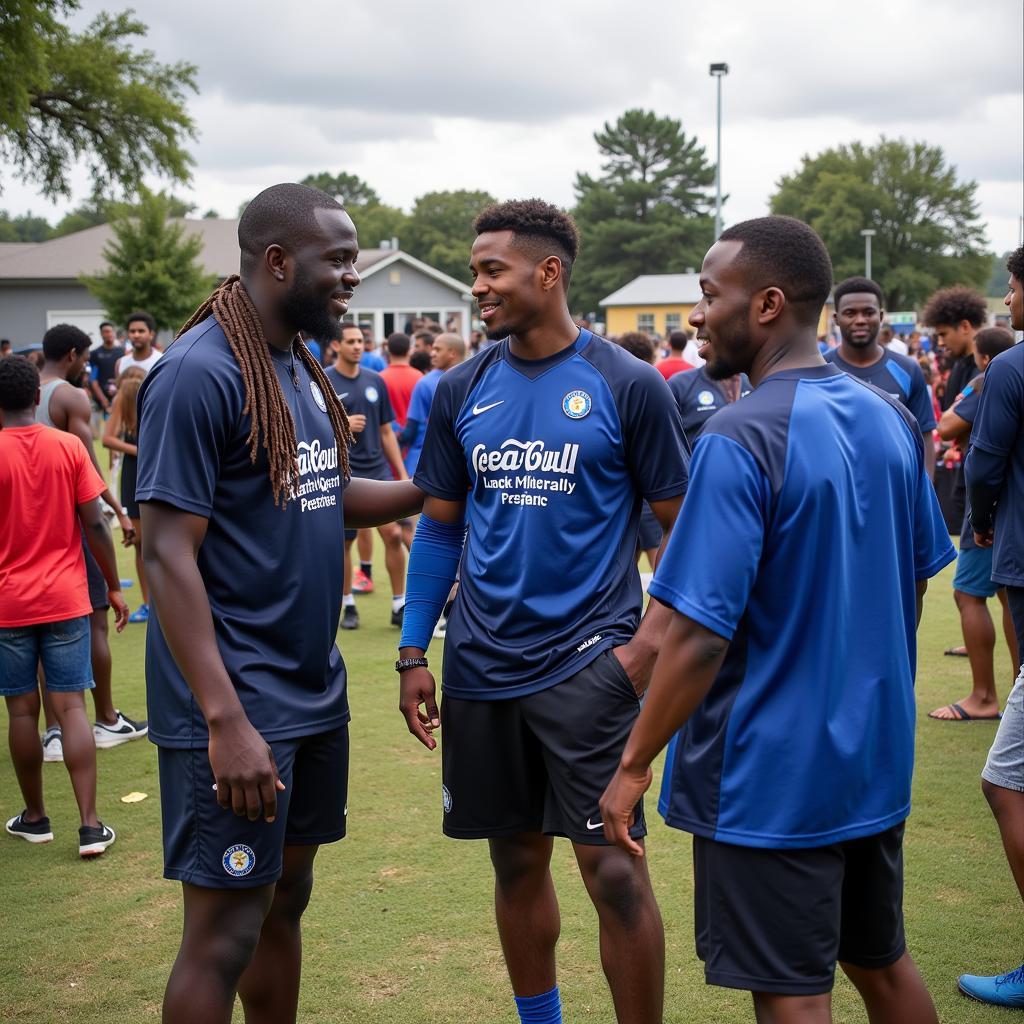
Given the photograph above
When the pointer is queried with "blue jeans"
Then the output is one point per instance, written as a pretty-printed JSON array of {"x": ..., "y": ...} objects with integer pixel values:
[{"x": 63, "y": 648}]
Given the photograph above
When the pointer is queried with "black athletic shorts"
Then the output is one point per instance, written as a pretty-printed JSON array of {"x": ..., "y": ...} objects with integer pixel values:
[
  {"x": 129, "y": 480},
  {"x": 98, "y": 596},
  {"x": 778, "y": 920},
  {"x": 650, "y": 533},
  {"x": 538, "y": 763}
]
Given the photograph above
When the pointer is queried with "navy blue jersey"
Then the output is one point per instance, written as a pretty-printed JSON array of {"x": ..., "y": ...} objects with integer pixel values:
[
  {"x": 273, "y": 575},
  {"x": 699, "y": 398},
  {"x": 553, "y": 457},
  {"x": 365, "y": 395},
  {"x": 966, "y": 407},
  {"x": 898, "y": 376},
  {"x": 999, "y": 432},
  {"x": 812, "y": 508}
]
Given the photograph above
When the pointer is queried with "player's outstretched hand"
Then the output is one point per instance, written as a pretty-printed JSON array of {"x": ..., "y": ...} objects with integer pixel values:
[
  {"x": 617, "y": 804},
  {"x": 418, "y": 702},
  {"x": 243, "y": 765},
  {"x": 120, "y": 606}
]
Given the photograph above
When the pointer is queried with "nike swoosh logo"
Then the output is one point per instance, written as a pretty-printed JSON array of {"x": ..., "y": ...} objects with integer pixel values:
[
  {"x": 600, "y": 824},
  {"x": 477, "y": 409},
  {"x": 345, "y": 395}
]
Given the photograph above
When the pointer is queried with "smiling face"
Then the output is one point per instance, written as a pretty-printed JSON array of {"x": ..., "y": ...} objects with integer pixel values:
[{"x": 859, "y": 316}]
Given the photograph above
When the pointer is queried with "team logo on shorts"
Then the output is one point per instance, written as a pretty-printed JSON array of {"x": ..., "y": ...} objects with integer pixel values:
[
  {"x": 238, "y": 860},
  {"x": 706, "y": 398},
  {"x": 446, "y": 799},
  {"x": 576, "y": 405},
  {"x": 318, "y": 396},
  {"x": 372, "y": 394}
]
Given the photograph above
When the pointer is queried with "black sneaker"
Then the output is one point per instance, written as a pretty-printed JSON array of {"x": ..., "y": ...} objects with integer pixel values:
[
  {"x": 93, "y": 840},
  {"x": 350, "y": 617},
  {"x": 398, "y": 616},
  {"x": 34, "y": 831}
]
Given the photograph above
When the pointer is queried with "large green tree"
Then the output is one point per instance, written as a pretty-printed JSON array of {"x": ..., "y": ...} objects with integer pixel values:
[
  {"x": 24, "y": 228},
  {"x": 375, "y": 221},
  {"x": 153, "y": 264},
  {"x": 928, "y": 233},
  {"x": 94, "y": 96},
  {"x": 649, "y": 210},
  {"x": 440, "y": 230}
]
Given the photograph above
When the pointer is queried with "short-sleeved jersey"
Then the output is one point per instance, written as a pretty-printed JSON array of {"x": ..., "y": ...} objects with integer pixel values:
[
  {"x": 372, "y": 361},
  {"x": 104, "y": 362},
  {"x": 45, "y": 474},
  {"x": 419, "y": 410},
  {"x": 699, "y": 398},
  {"x": 365, "y": 395},
  {"x": 273, "y": 575},
  {"x": 966, "y": 407},
  {"x": 898, "y": 376},
  {"x": 553, "y": 456},
  {"x": 999, "y": 430},
  {"x": 813, "y": 508}
]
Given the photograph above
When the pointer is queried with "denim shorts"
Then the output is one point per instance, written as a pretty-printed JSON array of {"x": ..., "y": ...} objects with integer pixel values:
[
  {"x": 974, "y": 573},
  {"x": 63, "y": 648},
  {"x": 1005, "y": 764}
]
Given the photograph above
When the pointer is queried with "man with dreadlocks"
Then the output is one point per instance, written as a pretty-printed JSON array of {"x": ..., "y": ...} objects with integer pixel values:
[{"x": 243, "y": 461}]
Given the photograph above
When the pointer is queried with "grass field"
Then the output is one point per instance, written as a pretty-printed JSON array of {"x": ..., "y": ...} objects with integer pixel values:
[{"x": 400, "y": 927}]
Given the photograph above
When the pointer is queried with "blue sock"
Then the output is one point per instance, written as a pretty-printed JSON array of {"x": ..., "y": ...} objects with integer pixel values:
[{"x": 543, "y": 1009}]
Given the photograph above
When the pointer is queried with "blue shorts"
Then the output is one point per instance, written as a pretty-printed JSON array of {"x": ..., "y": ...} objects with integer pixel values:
[
  {"x": 207, "y": 845},
  {"x": 974, "y": 573},
  {"x": 63, "y": 648}
]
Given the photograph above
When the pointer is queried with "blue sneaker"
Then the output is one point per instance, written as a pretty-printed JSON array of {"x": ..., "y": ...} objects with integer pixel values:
[
  {"x": 1000, "y": 990},
  {"x": 125, "y": 584},
  {"x": 141, "y": 614}
]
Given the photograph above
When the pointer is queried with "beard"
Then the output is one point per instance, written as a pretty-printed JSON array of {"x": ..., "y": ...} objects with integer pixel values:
[
  {"x": 305, "y": 308},
  {"x": 867, "y": 343},
  {"x": 730, "y": 351}
]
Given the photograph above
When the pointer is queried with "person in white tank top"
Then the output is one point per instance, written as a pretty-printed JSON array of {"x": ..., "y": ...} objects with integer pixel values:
[{"x": 141, "y": 335}]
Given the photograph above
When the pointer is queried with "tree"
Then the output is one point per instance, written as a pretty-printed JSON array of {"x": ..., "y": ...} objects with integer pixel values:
[
  {"x": 24, "y": 228},
  {"x": 648, "y": 212},
  {"x": 928, "y": 234},
  {"x": 153, "y": 265},
  {"x": 440, "y": 230},
  {"x": 92, "y": 96},
  {"x": 998, "y": 276},
  {"x": 348, "y": 189},
  {"x": 98, "y": 210},
  {"x": 375, "y": 221}
]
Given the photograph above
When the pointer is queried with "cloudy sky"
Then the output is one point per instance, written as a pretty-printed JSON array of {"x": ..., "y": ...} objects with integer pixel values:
[{"x": 415, "y": 96}]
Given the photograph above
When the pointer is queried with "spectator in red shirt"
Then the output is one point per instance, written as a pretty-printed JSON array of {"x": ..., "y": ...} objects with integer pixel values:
[
  {"x": 675, "y": 363},
  {"x": 399, "y": 377},
  {"x": 48, "y": 486}
]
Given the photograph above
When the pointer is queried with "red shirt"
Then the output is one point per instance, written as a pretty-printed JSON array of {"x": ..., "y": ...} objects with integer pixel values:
[
  {"x": 45, "y": 474},
  {"x": 672, "y": 365},
  {"x": 400, "y": 380}
]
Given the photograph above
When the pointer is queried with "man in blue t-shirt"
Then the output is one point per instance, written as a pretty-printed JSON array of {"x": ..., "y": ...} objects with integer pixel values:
[
  {"x": 793, "y": 766},
  {"x": 243, "y": 472},
  {"x": 448, "y": 350},
  {"x": 972, "y": 583},
  {"x": 858, "y": 315},
  {"x": 545, "y": 444},
  {"x": 994, "y": 471}
]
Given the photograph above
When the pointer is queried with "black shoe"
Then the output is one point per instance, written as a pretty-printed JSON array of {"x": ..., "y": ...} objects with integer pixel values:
[
  {"x": 397, "y": 617},
  {"x": 34, "y": 831},
  {"x": 92, "y": 840},
  {"x": 350, "y": 617}
]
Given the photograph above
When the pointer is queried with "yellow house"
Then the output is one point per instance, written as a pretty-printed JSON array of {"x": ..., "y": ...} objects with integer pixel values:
[{"x": 660, "y": 304}]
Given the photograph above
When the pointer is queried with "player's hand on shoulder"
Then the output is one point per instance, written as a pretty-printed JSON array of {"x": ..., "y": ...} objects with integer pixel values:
[
  {"x": 418, "y": 703},
  {"x": 243, "y": 765}
]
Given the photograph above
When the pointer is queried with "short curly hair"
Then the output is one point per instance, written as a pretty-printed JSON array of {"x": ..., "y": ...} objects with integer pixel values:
[
  {"x": 19, "y": 384},
  {"x": 858, "y": 286},
  {"x": 638, "y": 344},
  {"x": 1015, "y": 263},
  {"x": 540, "y": 229},
  {"x": 949, "y": 306}
]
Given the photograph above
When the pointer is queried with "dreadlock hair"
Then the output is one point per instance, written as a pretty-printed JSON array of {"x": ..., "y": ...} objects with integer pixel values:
[{"x": 272, "y": 427}]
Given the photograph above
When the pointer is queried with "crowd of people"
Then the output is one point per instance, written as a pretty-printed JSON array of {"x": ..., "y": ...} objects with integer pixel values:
[{"x": 515, "y": 484}]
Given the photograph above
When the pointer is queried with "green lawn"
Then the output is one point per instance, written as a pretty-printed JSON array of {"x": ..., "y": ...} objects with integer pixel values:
[{"x": 400, "y": 926}]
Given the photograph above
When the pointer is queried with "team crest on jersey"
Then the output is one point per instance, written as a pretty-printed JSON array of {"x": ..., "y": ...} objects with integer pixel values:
[
  {"x": 238, "y": 860},
  {"x": 706, "y": 398},
  {"x": 372, "y": 394},
  {"x": 446, "y": 799},
  {"x": 318, "y": 396},
  {"x": 576, "y": 404}
]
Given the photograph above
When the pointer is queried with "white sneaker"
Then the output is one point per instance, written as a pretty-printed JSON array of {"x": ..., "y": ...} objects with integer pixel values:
[
  {"x": 441, "y": 628},
  {"x": 123, "y": 730},
  {"x": 53, "y": 747}
]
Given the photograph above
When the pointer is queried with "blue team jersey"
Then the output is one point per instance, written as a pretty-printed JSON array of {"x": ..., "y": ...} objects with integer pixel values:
[
  {"x": 372, "y": 361},
  {"x": 553, "y": 457},
  {"x": 898, "y": 376},
  {"x": 419, "y": 410},
  {"x": 699, "y": 398},
  {"x": 273, "y": 576},
  {"x": 812, "y": 508},
  {"x": 366, "y": 394}
]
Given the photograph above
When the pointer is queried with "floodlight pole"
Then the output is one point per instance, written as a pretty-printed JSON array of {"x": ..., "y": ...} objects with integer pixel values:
[
  {"x": 718, "y": 72},
  {"x": 868, "y": 234}
]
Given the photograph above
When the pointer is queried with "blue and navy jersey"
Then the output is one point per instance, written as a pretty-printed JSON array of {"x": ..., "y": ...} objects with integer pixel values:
[
  {"x": 553, "y": 457},
  {"x": 699, "y": 398},
  {"x": 366, "y": 394},
  {"x": 898, "y": 376},
  {"x": 419, "y": 410},
  {"x": 273, "y": 576},
  {"x": 813, "y": 508}
]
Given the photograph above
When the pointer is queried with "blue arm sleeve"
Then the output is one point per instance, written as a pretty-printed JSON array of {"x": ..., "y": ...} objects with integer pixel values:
[
  {"x": 433, "y": 564},
  {"x": 408, "y": 436}
]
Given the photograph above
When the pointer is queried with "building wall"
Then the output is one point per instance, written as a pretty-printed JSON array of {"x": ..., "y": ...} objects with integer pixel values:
[
  {"x": 620, "y": 319},
  {"x": 403, "y": 287},
  {"x": 24, "y": 308}
]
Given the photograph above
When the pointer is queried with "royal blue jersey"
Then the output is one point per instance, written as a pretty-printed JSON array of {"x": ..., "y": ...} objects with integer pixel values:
[
  {"x": 699, "y": 398},
  {"x": 372, "y": 361},
  {"x": 814, "y": 520},
  {"x": 419, "y": 410},
  {"x": 367, "y": 395},
  {"x": 273, "y": 575},
  {"x": 898, "y": 376},
  {"x": 553, "y": 457}
]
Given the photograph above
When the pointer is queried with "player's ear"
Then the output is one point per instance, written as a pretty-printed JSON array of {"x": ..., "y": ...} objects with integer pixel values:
[
  {"x": 769, "y": 304},
  {"x": 550, "y": 272}
]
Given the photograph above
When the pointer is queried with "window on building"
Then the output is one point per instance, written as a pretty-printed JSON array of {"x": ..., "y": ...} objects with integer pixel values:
[
  {"x": 673, "y": 322},
  {"x": 645, "y": 322}
]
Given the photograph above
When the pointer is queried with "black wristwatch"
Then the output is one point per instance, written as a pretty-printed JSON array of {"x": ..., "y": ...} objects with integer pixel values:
[{"x": 404, "y": 664}]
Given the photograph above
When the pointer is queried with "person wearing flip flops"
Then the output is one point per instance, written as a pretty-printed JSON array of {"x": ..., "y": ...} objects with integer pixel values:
[{"x": 972, "y": 583}]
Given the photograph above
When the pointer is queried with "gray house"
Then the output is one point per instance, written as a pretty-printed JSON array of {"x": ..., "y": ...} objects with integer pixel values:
[{"x": 39, "y": 284}]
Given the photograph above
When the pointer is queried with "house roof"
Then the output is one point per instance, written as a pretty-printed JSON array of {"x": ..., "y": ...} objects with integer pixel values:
[{"x": 657, "y": 290}]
